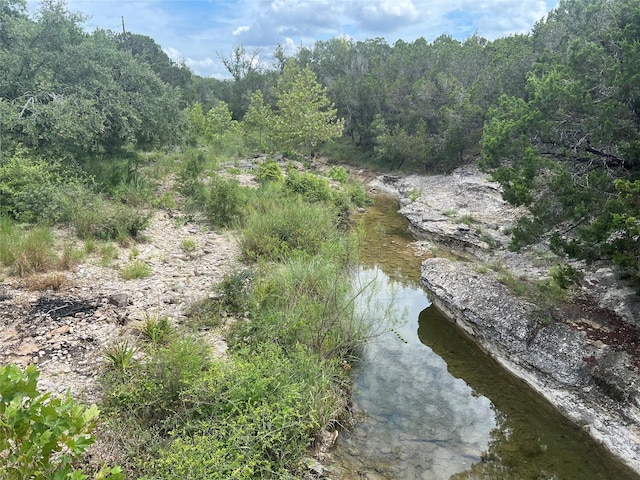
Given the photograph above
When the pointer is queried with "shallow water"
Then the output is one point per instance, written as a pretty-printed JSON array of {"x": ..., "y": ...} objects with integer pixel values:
[{"x": 433, "y": 405}]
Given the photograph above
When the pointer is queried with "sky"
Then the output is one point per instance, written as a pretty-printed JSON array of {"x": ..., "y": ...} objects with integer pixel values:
[{"x": 199, "y": 31}]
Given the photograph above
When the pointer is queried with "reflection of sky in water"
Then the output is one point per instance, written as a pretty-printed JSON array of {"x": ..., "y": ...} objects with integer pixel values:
[{"x": 421, "y": 421}]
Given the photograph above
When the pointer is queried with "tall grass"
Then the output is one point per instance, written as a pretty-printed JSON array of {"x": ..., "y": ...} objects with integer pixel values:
[
  {"x": 276, "y": 226},
  {"x": 26, "y": 251}
]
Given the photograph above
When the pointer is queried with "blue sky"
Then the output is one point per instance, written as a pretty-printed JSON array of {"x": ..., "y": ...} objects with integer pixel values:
[{"x": 197, "y": 31}]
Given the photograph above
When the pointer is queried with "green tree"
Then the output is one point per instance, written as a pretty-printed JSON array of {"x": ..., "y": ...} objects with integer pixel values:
[
  {"x": 304, "y": 116},
  {"x": 256, "y": 123}
]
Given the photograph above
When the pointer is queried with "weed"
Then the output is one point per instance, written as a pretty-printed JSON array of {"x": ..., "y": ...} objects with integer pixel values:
[
  {"x": 188, "y": 245},
  {"x": 155, "y": 329},
  {"x": 467, "y": 219},
  {"x": 108, "y": 253},
  {"x": 119, "y": 356},
  {"x": 269, "y": 171},
  {"x": 414, "y": 194},
  {"x": 481, "y": 268},
  {"x": 516, "y": 285},
  {"x": 71, "y": 256},
  {"x": 136, "y": 269},
  {"x": 338, "y": 173},
  {"x": 134, "y": 253},
  {"x": 90, "y": 246}
]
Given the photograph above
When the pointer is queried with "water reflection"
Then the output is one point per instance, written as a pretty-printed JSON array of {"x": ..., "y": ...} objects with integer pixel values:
[{"x": 421, "y": 421}]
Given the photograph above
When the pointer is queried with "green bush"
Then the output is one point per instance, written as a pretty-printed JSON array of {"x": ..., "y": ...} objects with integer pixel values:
[
  {"x": 253, "y": 419},
  {"x": 269, "y": 171},
  {"x": 42, "y": 437},
  {"x": 338, "y": 173},
  {"x": 100, "y": 219},
  {"x": 151, "y": 391},
  {"x": 224, "y": 201},
  {"x": 312, "y": 187},
  {"x": 32, "y": 190}
]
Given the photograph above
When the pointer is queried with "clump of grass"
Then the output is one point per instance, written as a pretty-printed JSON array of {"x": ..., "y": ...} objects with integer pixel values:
[
  {"x": 108, "y": 253},
  {"x": 119, "y": 356},
  {"x": 71, "y": 256},
  {"x": 27, "y": 252},
  {"x": 136, "y": 269},
  {"x": 52, "y": 281},
  {"x": 155, "y": 329},
  {"x": 104, "y": 220},
  {"x": 188, "y": 245}
]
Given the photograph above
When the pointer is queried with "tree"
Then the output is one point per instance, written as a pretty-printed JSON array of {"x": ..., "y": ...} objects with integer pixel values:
[
  {"x": 256, "y": 123},
  {"x": 304, "y": 116}
]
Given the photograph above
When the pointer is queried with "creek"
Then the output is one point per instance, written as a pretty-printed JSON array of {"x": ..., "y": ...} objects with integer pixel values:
[{"x": 432, "y": 405}]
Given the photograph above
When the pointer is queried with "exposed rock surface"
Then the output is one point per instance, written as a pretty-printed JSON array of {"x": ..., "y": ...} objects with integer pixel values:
[{"x": 585, "y": 361}]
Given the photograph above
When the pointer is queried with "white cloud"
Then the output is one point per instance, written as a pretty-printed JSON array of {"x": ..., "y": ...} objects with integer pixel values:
[
  {"x": 241, "y": 29},
  {"x": 197, "y": 30}
]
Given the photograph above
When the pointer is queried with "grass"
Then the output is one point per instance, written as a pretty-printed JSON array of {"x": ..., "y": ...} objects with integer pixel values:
[
  {"x": 136, "y": 269},
  {"x": 26, "y": 251},
  {"x": 254, "y": 414},
  {"x": 155, "y": 329},
  {"x": 119, "y": 356},
  {"x": 108, "y": 253}
]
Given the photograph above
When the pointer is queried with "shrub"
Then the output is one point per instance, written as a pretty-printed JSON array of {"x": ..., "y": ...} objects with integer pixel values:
[
  {"x": 224, "y": 201},
  {"x": 151, "y": 391},
  {"x": 104, "y": 220},
  {"x": 269, "y": 171},
  {"x": 339, "y": 174},
  {"x": 312, "y": 187},
  {"x": 41, "y": 436},
  {"x": 254, "y": 420},
  {"x": 31, "y": 189}
]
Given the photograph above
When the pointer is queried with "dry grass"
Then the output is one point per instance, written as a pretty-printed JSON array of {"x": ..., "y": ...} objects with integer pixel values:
[{"x": 50, "y": 281}]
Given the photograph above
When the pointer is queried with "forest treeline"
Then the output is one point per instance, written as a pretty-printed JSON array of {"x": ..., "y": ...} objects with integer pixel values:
[{"x": 553, "y": 114}]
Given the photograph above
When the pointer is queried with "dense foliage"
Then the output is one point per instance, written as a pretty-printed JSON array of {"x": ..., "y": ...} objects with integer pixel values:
[{"x": 68, "y": 94}]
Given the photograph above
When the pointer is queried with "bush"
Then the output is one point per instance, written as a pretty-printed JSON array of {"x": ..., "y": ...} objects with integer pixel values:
[
  {"x": 224, "y": 201},
  {"x": 269, "y": 171},
  {"x": 312, "y": 187},
  {"x": 32, "y": 190},
  {"x": 42, "y": 437},
  {"x": 254, "y": 419},
  {"x": 339, "y": 174}
]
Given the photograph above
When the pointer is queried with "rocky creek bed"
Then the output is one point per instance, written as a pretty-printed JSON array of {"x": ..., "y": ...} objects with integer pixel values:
[
  {"x": 584, "y": 358},
  {"x": 65, "y": 331}
]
